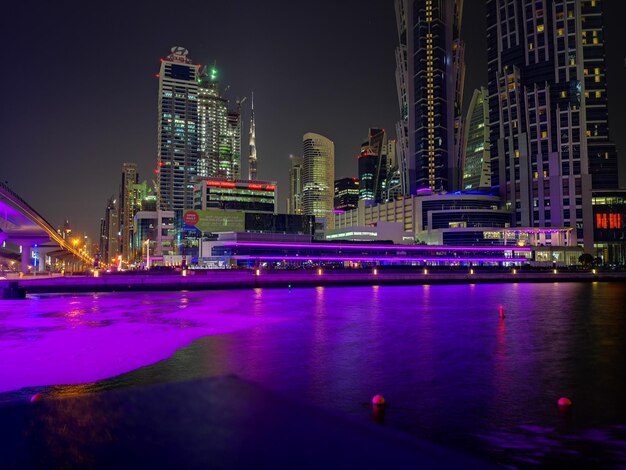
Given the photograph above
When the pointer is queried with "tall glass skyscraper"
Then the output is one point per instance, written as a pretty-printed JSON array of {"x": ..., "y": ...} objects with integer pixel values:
[
  {"x": 318, "y": 176},
  {"x": 219, "y": 130},
  {"x": 178, "y": 129},
  {"x": 538, "y": 113},
  {"x": 294, "y": 201},
  {"x": 430, "y": 78},
  {"x": 476, "y": 162}
]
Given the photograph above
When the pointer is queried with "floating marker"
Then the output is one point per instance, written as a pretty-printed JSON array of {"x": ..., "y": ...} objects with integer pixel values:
[
  {"x": 564, "y": 402},
  {"x": 378, "y": 400},
  {"x": 36, "y": 397}
]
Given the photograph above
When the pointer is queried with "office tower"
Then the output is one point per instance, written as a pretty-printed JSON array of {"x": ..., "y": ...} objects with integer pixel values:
[
  {"x": 219, "y": 130},
  {"x": 394, "y": 185},
  {"x": 373, "y": 167},
  {"x": 130, "y": 177},
  {"x": 346, "y": 194},
  {"x": 229, "y": 195},
  {"x": 602, "y": 154},
  {"x": 178, "y": 129},
  {"x": 294, "y": 201},
  {"x": 430, "y": 78},
  {"x": 231, "y": 147},
  {"x": 318, "y": 176},
  {"x": 537, "y": 120},
  {"x": 252, "y": 168},
  {"x": 212, "y": 121},
  {"x": 476, "y": 163},
  {"x": 109, "y": 232}
]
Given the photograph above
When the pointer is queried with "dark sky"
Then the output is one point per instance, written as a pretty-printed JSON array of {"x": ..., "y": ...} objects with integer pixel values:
[{"x": 80, "y": 96}]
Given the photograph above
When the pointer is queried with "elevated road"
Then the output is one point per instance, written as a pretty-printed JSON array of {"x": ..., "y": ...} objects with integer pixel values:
[{"x": 23, "y": 226}]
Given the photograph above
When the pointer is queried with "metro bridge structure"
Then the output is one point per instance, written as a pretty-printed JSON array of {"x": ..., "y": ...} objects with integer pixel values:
[{"x": 27, "y": 239}]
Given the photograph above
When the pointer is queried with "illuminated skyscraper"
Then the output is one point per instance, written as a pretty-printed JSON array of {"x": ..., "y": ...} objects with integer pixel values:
[
  {"x": 178, "y": 130},
  {"x": 538, "y": 113},
  {"x": 130, "y": 177},
  {"x": 294, "y": 201},
  {"x": 212, "y": 116},
  {"x": 219, "y": 131},
  {"x": 476, "y": 164},
  {"x": 373, "y": 167},
  {"x": 346, "y": 194},
  {"x": 430, "y": 77},
  {"x": 318, "y": 176},
  {"x": 600, "y": 149},
  {"x": 252, "y": 164}
]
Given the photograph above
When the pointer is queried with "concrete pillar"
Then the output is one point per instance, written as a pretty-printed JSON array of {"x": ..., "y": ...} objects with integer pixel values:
[{"x": 25, "y": 258}]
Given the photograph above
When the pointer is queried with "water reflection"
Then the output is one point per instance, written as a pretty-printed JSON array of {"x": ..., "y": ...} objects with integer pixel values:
[{"x": 450, "y": 369}]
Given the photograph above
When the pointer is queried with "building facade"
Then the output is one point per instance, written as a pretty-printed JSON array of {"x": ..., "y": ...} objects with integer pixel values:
[
  {"x": 240, "y": 195},
  {"x": 476, "y": 154},
  {"x": 294, "y": 200},
  {"x": 130, "y": 177},
  {"x": 601, "y": 151},
  {"x": 346, "y": 194},
  {"x": 318, "y": 176},
  {"x": 178, "y": 130},
  {"x": 537, "y": 103},
  {"x": 372, "y": 161},
  {"x": 430, "y": 79}
]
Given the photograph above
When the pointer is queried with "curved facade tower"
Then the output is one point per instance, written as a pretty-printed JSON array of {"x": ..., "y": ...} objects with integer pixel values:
[
  {"x": 318, "y": 176},
  {"x": 252, "y": 157},
  {"x": 477, "y": 163}
]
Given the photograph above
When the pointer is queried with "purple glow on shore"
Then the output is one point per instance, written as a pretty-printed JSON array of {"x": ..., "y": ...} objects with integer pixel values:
[
  {"x": 378, "y": 247},
  {"x": 82, "y": 339},
  {"x": 380, "y": 258}
]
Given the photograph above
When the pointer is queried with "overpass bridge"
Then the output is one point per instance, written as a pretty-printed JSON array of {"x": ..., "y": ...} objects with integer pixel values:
[{"x": 27, "y": 237}]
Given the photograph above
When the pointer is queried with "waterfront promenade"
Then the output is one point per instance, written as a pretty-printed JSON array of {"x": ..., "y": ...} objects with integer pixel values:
[{"x": 244, "y": 279}]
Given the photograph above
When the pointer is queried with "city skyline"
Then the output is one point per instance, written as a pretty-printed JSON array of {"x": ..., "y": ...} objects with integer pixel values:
[{"x": 72, "y": 140}]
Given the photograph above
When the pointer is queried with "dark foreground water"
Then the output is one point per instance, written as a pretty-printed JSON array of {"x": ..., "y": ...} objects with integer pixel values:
[{"x": 450, "y": 369}]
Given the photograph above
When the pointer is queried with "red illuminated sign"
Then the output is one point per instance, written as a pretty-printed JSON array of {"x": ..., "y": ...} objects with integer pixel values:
[{"x": 609, "y": 221}]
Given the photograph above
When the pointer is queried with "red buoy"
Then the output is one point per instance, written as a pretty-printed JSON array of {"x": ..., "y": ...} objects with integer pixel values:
[
  {"x": 378, "y": 400},
  {"x": 501, "y": 310},
  {"x": 36, "y": 397},
  {"x": 564, "y": 402}
]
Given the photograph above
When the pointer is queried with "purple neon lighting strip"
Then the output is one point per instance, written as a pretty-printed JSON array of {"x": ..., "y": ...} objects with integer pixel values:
[
  {"x": 376, "y": 258},
  {"x": 379, "y": 247}
]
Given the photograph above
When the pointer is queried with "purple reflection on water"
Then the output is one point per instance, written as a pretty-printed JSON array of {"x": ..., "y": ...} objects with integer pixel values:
[
  {"x": 78, "y": 339},
  {"x": 450, "y": 368}
]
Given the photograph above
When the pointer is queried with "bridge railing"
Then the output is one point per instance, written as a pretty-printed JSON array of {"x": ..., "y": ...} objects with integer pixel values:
[{"x": 42, "y": 222}]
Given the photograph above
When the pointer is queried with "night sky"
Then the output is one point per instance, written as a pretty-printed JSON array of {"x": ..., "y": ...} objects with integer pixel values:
[{"x": 80, "y": 95}]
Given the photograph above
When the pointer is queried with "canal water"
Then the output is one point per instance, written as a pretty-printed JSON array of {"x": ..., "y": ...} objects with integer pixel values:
[{"x": 451, "y": 370}]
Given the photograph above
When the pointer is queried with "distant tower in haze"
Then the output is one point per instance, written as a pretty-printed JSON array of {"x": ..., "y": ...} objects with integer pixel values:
[
  {"x": 318, "y": 177},
  {"x": 252, "y": 157},
  {"x": 430, "y": 77},
  {"x": 294, "y": 201},
  {"x": 178, "y": 130},
  {"x": 477, "y": 163}
]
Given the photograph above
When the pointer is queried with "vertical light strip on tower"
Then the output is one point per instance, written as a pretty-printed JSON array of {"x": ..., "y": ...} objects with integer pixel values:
[{"x": 252, "y": 158}]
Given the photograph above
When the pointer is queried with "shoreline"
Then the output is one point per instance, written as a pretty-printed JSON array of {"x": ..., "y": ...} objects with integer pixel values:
[{"x": 238, "y": 279}]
